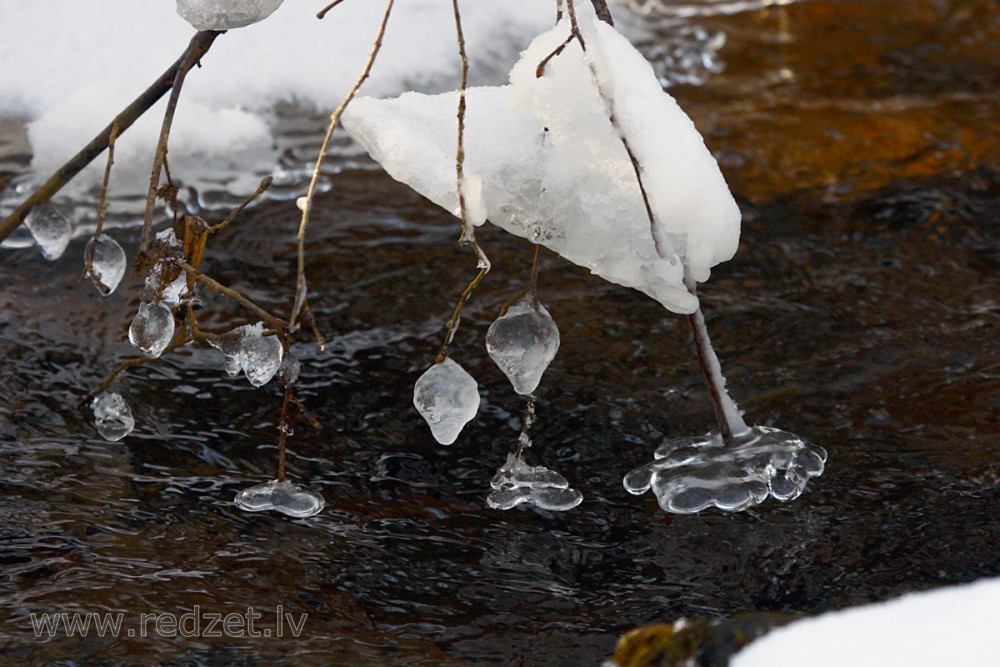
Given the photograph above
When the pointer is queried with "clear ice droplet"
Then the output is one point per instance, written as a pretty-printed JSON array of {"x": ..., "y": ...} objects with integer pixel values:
[
  {"x": 112, "y": 416},
  {"x": 290, "y": 369},
  {"x": 693, "y": 474},
  {"x": 518, "y": 483},
  {"x": 152, "y": 329},
  {"x": 523, "y": 342},
  {"x": 50, "y": 228},
  {"x": 448, "y": 398},
  {"x": 260, "y": 358},
  {"x": 284, "y": 497},
  {"x": 107, "y": 262}
]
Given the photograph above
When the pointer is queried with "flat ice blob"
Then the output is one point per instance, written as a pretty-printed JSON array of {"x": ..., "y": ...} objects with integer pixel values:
[
  {"x": 693, "y": 474},
  {"x": 523, "y": 342},
  {"x": 106, "y": 260},
  {"x": 516, "y": 483},
  {"x": 447, "y": 397},
  {"x": 284, "y": 497},
  {"x": 112, "y": 416},
  {"x": 553, "y": 168},
  {"x": 260, "y": 357},
  {"x": 152, "y": 329},
  {"x": 50, "y": 228},
  {"x": 225, "y": 14}
]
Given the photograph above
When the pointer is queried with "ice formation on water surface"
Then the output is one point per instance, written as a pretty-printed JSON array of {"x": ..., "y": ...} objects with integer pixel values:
[
  {"x": 692, "y": 474},
  {"x": 285, "y": 497},
  {"x": 516, "y": 482},
  {"x": 553, "y": 167},
  {"x": 225, "y": 14}
]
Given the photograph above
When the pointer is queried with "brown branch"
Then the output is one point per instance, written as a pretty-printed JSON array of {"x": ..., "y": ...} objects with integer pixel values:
[
  {"x": 189, "y": 60},
  {"x": 321, "y": 14},
  {"x": 452, "y": 325},
  {"x": 310, "y": 195},
  {"x": 180, "y": 339},
  {"x": 216, "y": 286},
  {"x": 603, "y": 13},
  {"x": 264, "y": 185},
  {"x": 200, "y": 44}
]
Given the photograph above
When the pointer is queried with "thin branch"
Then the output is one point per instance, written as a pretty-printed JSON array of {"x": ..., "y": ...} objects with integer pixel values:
[
  {"x": 102, "y": 203},
  {"x": 180, "y": 339},
  {"x": 452, "y": 326},
  {"x": 334, "y": 119},
  {"x": 216, "y": 286},
  {"x": 283, "y": 432},
  {"x": 322, "y": 13},
  {"x": 198, "y": 46},
  {"x": 523, "y": 440},
  {"x": 261, "y": 189},
  {"x": 603, "y": 13},
  {"x": 189, "y": 60}
]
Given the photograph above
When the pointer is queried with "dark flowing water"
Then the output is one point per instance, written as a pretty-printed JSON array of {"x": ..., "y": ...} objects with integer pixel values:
[{"x": 862, "y": 312}]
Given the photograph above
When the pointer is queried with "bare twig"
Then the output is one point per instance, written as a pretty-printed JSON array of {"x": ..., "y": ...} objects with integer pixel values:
[
  {"x": 180, "y": 339},
  {"x": 198, "y": 46},
  {"x": 102, "y": 202},
  {"x": 216, "y": 286},
  {"x": 524, "y": 440},
  {"x": 452, "y": 326},
  {"x": 264, "y": 185},
  {"x": 601, "y": 8},
  {"x": 189, "y": 60},
  {"x": 283, "y": 432},
  {"x": 322, "y": 13},
  {"x": 334, "y": 119}
]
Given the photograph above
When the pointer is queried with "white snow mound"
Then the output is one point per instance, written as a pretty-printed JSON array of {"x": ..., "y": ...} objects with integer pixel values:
[{"x": 553, "y": 168}]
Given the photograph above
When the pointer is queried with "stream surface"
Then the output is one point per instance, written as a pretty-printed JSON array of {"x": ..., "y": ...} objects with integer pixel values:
[{"x": 862, "y": 312}]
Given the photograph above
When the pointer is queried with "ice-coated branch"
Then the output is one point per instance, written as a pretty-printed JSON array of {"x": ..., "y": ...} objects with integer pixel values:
[
  {"x": 199, "y": 45},
  {"x": 732, "y": 428},
  {"x": 306, "y": 202}
]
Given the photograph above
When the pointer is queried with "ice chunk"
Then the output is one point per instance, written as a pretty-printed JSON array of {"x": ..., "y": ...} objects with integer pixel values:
[
  {"x": 152, "y": 329},
  {"x": 225, "y": 14},
  {"x": 553, "y": 168},
  {"x": 516, "y": 483},
  {"x": 106, "y": 260},
  {"x": 290, "y": 369},
  {"x": 693, "y": 474},
  {"x": 448, "y": 398},
  {"x": 247, "y": 349},
  {"x": 260, "y": 356},
  {"x": 284, "y": 497},
  {"x": 166, "y": 279},
  {"x": 112, "y": 416},
  {"x": 50, "y": 228},
  {"x": 523, "y": 342}
]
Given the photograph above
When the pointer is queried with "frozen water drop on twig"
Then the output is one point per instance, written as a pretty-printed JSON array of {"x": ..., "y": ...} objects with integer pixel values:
[
  {"x": 280, "y": 496},
  {"x": 152, "y": 329},
  {"x": 447, "y": 397},
  {"x": 523, "y": 342},
  {"x": 517, "y": 483},
  {"x": 225, "y": 14},
  {"x": 112, "y": 416},
  {"x": 106, "y": 260},
  {"x": 50, "y": 228},
  {"x": 260, "y": 357},
  {"x": 693, "y": 474}
]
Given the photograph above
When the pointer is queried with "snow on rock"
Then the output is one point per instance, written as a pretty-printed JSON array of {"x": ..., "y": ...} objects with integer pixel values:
[
  {"x": 553, "y": 168},
  {"x": 225, "y": 14},
  {"x": 950, "y": 626}
]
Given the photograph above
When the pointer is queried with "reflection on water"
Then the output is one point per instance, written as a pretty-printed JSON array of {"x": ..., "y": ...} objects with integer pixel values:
[{"x": 861, "y": 312}]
